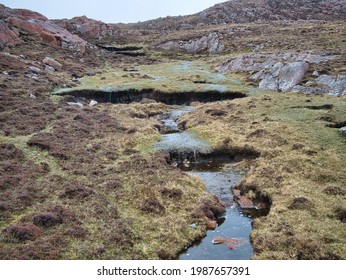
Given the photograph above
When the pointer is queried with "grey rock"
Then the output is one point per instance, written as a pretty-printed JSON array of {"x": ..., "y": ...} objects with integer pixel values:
[
  {"x": 93, "y": 103},
  {"x": 77, "y": 104},
  {"x": 35, "y": 70},
  {"x": 284, "y": 77},
  {"x": 308, "y": 90},
  {"x": 193, "y": 226},
  {"x": 271, "y": 80},
  {"x": 49, "y": 69},
  {"x": 210, "y": 44},
  {"x": 343, "y": 130},
  {"x": 52, "y": 62},
  {"x": 336, "y": 85},
  {"x": 186, "y": 26},
  {"x": 291, "y": 74}
]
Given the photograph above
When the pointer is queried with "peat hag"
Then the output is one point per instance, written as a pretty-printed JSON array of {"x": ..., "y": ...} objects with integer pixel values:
[{"x": 170, "y": 98}]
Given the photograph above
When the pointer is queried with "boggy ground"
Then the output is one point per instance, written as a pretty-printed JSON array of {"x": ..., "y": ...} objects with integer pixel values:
[
  {"x": 85, "y": 183},
  {"x": 300, "y": 167}
]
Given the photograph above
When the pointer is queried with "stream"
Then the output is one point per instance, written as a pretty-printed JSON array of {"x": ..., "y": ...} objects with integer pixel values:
[{"x": 190, "y": 154}]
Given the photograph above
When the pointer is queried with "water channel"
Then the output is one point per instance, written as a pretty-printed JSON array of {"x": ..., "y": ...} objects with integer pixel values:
[{"x": 189, "y": 153}]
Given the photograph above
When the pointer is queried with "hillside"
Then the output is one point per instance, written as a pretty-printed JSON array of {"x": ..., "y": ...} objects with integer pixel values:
[{"x": 83, "y": 104}]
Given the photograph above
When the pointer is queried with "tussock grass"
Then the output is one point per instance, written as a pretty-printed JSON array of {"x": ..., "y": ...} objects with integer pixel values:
[{"x": 300, "y": 156}]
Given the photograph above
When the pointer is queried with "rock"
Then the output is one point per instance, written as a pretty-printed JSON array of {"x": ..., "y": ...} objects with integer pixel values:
[
  {"x": 291, "y": 74},
  {"x": 93, "y": 103},
  {"x": 13, "y": 20},
  {"x": 214, "y": 45},
  {"x": 8, "y": 36},
  {"x": 32, "y": 96},
  {"x": 35, "y": 70},
  {"x": 271, "y": 80},
  {"x": 242, "y": 201},
  {"x": 210, "y": 44},
  {"x": 284, "y": 77},
  {"x": 210, "y": 224},
  {"x": 193, "y": 226},
  {"x": 87, "y": 28},
  {"x": 308, "y": 90},
  {"x": 343, "y": 130},
  {"x": 336, "y": 85},
  {"x": 49, "y": 69},
  {"x": 78, "y": 104},
  {"x": 52, "y": 62},
  {"x": 223, "y": 240}
]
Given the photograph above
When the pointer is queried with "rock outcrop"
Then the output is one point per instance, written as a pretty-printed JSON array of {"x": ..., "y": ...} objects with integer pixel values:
[
  {"x": 13, "y": 22},
  {"x": 210, "y": 44},
  {"x": 285, "y": 72},
  {"x": 88, "y": 29}
]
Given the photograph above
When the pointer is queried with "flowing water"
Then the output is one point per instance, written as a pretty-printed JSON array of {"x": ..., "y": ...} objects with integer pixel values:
[{"x": 190, "y": 154}]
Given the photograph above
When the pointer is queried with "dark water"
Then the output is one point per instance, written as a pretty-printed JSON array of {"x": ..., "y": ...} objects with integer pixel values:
[{"x": 219, "y": 178}]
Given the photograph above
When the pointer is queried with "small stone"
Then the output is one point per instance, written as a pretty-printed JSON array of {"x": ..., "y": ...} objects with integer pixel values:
[
  {"x": 53, "y": 63},
  {"x": 32, "y": 96},
  {"x": 93, "y": 103},
  {"x": 193, "y": 226},
  {"x": 35, "y": 69},
  {"x": 343, "y": 130},
  {"x": 49, "y": 69},
  {"x": 315, "y": 73},
  {"x": 75, "y": 104}
]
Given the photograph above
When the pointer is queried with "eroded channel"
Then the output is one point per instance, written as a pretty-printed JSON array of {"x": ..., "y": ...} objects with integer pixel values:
[{"x": 230, "y": 239}]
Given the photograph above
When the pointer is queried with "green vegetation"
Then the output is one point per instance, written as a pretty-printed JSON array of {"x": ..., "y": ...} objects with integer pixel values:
[{"x": 178, "y": 76}]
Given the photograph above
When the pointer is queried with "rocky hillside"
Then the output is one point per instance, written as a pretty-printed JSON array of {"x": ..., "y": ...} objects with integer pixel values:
[
  {"x": 16, "y": 24},
  {"x": 234, "y": 11},
  {"x": 239, "y": 11},
  {"x": 245, "y": 11}
]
